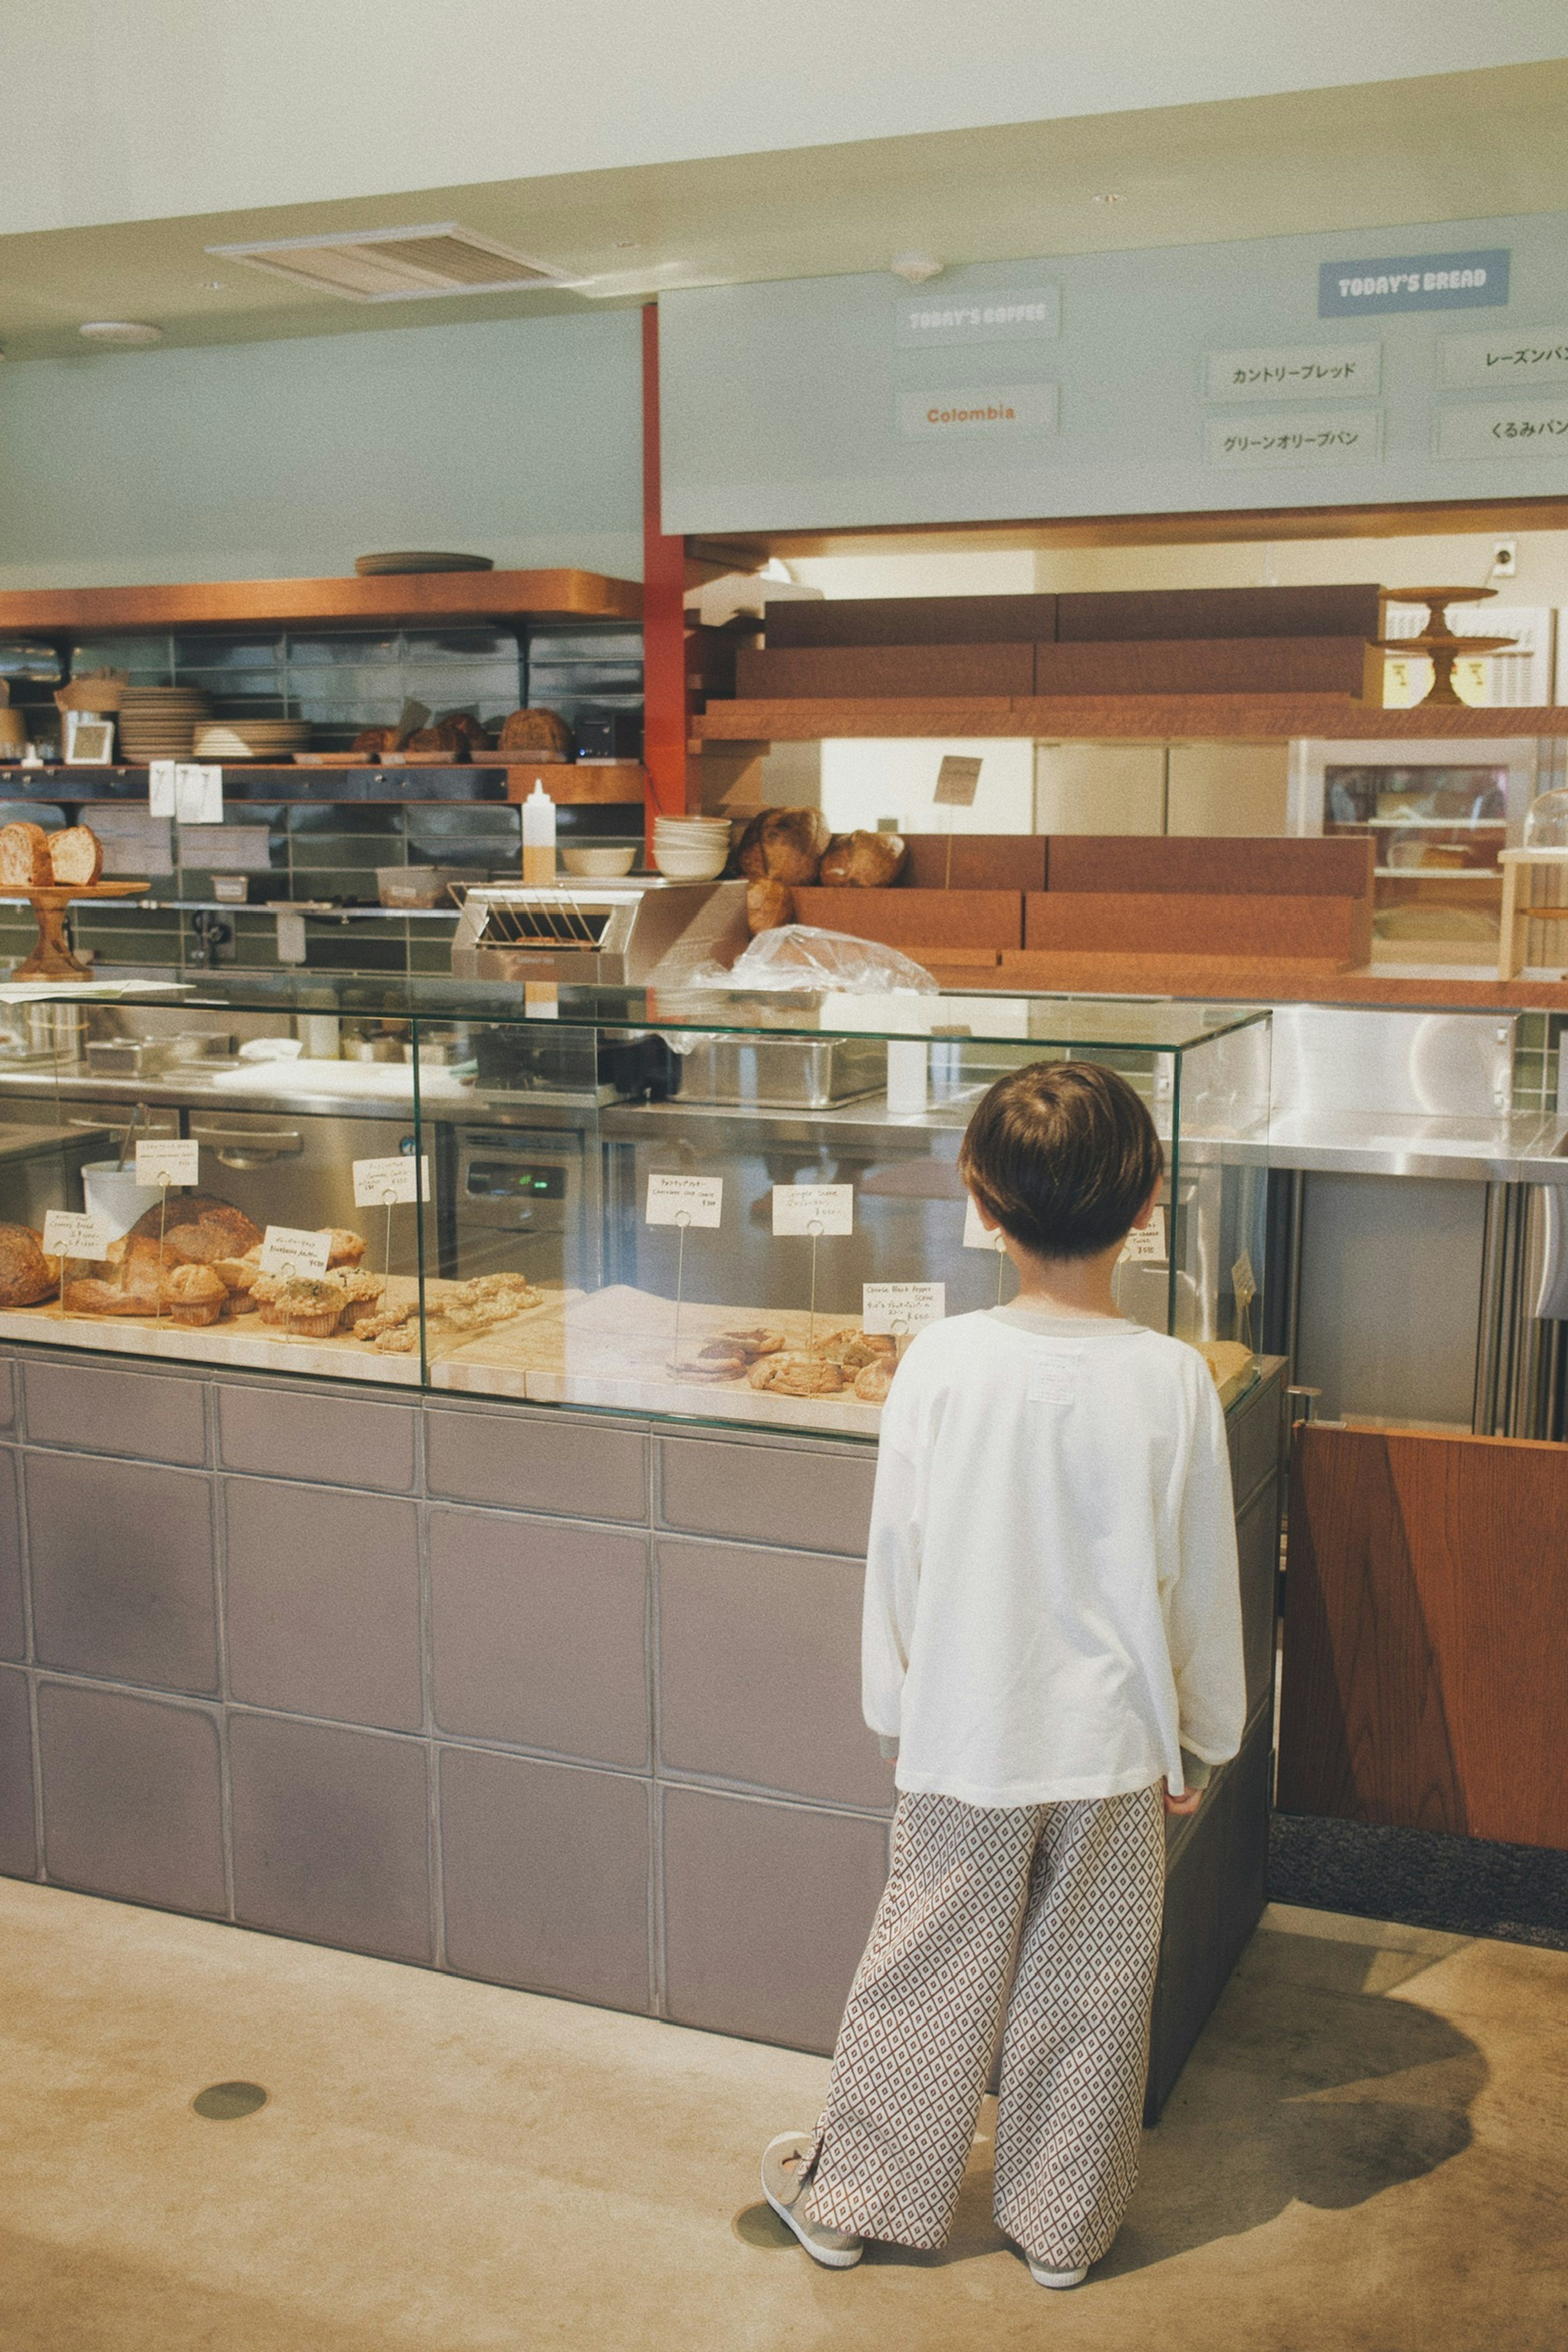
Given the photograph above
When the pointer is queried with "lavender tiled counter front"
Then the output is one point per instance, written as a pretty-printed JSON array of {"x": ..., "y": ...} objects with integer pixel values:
[{"x": 567, "y": 1702}]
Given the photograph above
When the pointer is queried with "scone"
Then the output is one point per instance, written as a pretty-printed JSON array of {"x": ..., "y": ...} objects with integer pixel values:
[
  {"x": 854, "y": 1348},
  {"x": 797, "y": 1376},
  {"x": 872, "y": 1382},
  {"x": 194, "y": 1294}
]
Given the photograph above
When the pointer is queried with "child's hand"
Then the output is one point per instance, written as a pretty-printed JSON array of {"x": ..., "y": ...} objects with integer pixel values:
[{"x": 1188, "y": 1802}]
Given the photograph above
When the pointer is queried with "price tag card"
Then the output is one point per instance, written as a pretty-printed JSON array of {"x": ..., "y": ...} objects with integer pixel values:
[
  {"x": 167, "y": 1159},
  {"x": 957, "y": 781},
  {"x": 160, "y": 787},
  {"x": 893, "y": 1308},
  {"x": 198, "y": 793},
  {"x": 69, "y": 1236},
  {"x": 1145, "y": 1245},
  {"x": 814, "y": 1208},
  {"x": 975, "y": 1233},
  {"x": 685, "y": 1200},
  {"x": 387, "y": 1183},
  {"x": 288, "y": 1249},
  {"x": 1243, "y": 1281}
]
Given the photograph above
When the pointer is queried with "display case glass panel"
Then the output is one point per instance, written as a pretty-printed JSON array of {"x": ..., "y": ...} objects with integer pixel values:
[{"x": 736, "y": 1208}]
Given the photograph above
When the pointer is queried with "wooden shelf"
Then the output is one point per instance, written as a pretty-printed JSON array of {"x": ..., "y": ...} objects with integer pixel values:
[
  {"x": 1124, "y": 718},
  {"x": 433, "y": 597},
  {"x": 617, "y": 783}
]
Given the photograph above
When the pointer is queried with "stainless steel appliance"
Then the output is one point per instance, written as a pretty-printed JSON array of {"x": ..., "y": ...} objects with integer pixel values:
[{"x": 615, "y": 934}]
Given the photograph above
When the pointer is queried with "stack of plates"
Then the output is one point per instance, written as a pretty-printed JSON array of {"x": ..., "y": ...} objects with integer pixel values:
[
  {"x": 251, "y": 738},
  {"x": 692, "y": 848},
  {"x": 157, "y": 722},
  {"x": 379, "y": 567}
]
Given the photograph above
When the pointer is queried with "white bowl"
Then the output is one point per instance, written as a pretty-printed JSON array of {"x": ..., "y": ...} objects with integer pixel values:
[
  {"x": 689, "y": 870},
  {"x": 607, "y": 863},
  {"x": 691, "y": 825}
]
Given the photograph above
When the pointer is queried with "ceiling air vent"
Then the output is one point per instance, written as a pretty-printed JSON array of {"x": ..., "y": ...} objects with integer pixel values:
[{"x": 398, "y": 264}]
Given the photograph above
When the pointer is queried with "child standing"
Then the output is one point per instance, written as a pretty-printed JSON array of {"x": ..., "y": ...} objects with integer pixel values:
[{"x": 1051, "y": 1647}]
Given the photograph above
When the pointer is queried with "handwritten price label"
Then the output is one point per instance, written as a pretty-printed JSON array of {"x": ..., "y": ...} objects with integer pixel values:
[
  {"x": 814, "y": 1208},
  {"x": 387, "y": 1184},
  {"x": 685, "y": 1201},
  {"x": 894, "y": 1309},
  {"x": 288, "y": 1249},
  {"x": 66, "y": 1235},
  {"x": 167, "y": 1159}
]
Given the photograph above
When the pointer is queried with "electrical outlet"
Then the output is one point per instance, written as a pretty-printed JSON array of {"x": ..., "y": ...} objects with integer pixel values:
[{"x": 1505, "y": 559}]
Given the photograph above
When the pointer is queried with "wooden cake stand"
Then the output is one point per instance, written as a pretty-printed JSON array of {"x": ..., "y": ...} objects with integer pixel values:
[
  {"x": 52, "y": 958},
  {"x": 1437, "y": 641}
]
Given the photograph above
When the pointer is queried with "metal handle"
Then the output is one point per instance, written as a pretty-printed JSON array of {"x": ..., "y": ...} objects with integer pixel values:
[{"x": 249, "y": 1148}]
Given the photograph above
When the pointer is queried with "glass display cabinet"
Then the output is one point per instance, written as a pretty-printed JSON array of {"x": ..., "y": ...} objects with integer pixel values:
[{"x": 736, "y": 1208}]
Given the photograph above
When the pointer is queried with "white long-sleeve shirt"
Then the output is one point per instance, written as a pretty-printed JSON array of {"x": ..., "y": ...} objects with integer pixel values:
[{"x": 1052, "y": 1605}]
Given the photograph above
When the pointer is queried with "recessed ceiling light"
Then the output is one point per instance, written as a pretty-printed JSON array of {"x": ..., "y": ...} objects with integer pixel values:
[
  {"x": 916, "y": 267},
  {"x": 1111, "y": 197},
  {"x": 119, "y": 331}
]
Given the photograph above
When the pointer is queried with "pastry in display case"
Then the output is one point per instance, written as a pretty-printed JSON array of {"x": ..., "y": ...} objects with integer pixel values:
[{"x": 709, "y": 1205}]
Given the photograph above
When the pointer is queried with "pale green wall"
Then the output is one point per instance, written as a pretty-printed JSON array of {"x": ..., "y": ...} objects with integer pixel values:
[{"x": 518, "y": 439}]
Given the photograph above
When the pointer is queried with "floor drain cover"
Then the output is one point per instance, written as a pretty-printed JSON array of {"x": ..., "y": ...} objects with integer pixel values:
[{"x": 224, "y": 2102}]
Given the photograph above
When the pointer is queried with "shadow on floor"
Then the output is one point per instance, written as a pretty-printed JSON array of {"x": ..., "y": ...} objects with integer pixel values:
[{"x": 1309, "y": 2086}]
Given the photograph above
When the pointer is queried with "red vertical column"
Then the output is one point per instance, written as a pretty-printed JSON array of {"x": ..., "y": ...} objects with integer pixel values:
[{"x": 665, "y": 709}]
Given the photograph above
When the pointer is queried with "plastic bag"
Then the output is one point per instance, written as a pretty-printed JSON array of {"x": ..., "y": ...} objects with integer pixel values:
[{"x": 796, "y": 956}]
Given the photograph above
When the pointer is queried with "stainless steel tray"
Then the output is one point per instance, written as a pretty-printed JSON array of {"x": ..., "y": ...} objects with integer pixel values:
[{"x": 782, "y": 1073}]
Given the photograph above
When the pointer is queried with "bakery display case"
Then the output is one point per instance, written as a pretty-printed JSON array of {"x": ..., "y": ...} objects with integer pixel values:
[{"x": 699, "y": 1205}]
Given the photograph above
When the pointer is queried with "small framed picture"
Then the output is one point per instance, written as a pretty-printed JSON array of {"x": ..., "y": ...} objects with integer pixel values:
[{"x": 89, "y": 739}]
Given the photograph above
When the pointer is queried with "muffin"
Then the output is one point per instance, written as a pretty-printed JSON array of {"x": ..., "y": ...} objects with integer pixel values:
[
  {"x": 194, "y": 1294},
  {"x": 364, "y": 1294},
  {"x": 345, "y": 1248},
  {"x": 307, "y": 1309}
]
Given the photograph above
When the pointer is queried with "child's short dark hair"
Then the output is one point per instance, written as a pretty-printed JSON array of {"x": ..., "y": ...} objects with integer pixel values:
[{"x": 1063, "y": 1155}]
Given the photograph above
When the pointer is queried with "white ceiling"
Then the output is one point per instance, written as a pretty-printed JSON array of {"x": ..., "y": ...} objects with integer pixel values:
[
  {"x": 1352, "y": 158},
  {"x": 117, "y": 112}
]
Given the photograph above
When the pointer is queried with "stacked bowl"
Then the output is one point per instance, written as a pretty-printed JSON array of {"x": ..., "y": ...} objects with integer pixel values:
[
  {"x": 251, "y": 739},
  {"x": 157, "y": 722},
  {"x": 691, "y": 848}
]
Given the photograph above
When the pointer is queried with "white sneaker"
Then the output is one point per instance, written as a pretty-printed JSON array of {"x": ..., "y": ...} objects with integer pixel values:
[
  {"x": 1042, "y": 2277},
  {"x": 783, "y": 2161}
]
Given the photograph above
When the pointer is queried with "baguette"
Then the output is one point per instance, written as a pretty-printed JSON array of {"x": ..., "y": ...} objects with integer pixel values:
[{"x": 76, "y": 856}]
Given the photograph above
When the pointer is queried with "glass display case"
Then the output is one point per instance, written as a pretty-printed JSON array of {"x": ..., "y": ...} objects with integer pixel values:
[{"x": 710, "y": 1205}]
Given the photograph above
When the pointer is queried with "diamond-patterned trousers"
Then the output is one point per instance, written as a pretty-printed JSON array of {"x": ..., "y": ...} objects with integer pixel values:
[{"x": 1041, "y": 1924}]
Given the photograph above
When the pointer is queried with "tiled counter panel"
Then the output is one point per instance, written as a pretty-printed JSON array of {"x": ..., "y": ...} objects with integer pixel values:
[{"x": 561, "y": 1702}]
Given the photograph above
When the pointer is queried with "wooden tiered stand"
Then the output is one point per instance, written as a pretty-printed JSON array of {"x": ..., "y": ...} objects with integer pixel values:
[{"x": 52, "y": 958}]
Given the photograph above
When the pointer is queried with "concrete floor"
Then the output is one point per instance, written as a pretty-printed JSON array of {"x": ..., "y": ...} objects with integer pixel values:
[{"x": 1367, "y": 2150}]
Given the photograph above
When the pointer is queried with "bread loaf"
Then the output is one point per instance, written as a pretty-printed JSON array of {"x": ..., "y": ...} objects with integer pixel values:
[
  {"x": 25, "y": 857},
  {"x": 784, "y": 845},
  {"x": 862, "y": 861},
  {"x": 26, "y": 1276},
  {"x": 196, "y": 1228},
  {"x": 536, "y": 730},
  {"x": 768, "y": 906},
  {"x": 76, "y": 856},
  {"x": 375, "y": 742}
]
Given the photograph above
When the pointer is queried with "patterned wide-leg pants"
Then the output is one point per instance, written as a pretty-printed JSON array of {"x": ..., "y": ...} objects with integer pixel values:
[{"x": 1041, "y": 1924}]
